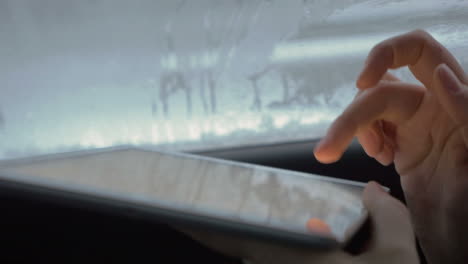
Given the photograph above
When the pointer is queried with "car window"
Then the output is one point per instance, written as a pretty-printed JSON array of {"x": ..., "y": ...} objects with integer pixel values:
[{"x": 188, "y": 75}]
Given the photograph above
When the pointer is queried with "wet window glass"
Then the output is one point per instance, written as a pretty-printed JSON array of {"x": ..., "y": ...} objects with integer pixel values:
[{"x": 190, "y": 75}]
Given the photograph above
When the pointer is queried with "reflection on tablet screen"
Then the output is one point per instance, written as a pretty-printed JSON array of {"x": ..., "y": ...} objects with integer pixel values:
[{"x": 258, "y": 195}]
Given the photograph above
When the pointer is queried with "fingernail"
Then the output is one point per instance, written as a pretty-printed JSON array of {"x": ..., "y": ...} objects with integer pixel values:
[{"x": 448, "y": 79}]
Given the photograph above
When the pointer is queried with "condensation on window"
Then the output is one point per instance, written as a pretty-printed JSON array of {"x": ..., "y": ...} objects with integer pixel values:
[{"x": 189, "y": 75}]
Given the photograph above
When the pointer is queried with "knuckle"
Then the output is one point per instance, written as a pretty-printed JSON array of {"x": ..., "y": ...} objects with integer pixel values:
[
  {"x": 421, "y": 34},
  {"x": 385, "y": 87},
  {"x": 381, "y": 47},
  {"x": 382, "y": 90}
]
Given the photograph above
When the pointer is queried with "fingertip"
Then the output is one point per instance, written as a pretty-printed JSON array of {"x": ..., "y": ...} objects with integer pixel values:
[
  {"x": 441, "y": 71},
  {"x": 386, "y": 156},
  {"x": 371, "y": 191},
  {"x": 371, "y": 142},
  {"x": 452, "y": 93},
  {"x": 327, "y": 160},
  {"x": 375, "y": 185},
  {"x": 385, "y": 163},
  {"x": 448, "y": 78},
  {"x": 361, "y": 82},
  {"x": 319, "y": 152},
  {"x": 325, "y": 153},
  {"x": 368, "y": 78},
  {"x": 379, "y": 60},
  {"x": 372, "y": 197},
  {"x": 326, "y": 157}
]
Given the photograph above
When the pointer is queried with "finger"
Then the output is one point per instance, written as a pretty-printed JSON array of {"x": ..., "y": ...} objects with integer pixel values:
[
  {"x": 390, "y": 220},
  {"x": 390, "y": 77},
  {"x": 377, "y": 145},
  {"x": 452, "y": 93},
  {"x": 453, "y": 96},
  {"x": 387, "y": 77},
  {"x": 371, "y": 139},
  {"x": 417, "y": 49},
  {"x": 395, "y": 102},
  {"x": 386, "y": 156}
]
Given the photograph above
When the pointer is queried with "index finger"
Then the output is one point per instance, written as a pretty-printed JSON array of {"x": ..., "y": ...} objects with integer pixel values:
[
  {"x": 395, "y": 102},
  {"x": 418, "y": 50}
]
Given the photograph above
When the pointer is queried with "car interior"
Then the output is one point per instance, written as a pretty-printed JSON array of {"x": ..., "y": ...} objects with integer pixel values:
[{"x": 254, "y": 81}]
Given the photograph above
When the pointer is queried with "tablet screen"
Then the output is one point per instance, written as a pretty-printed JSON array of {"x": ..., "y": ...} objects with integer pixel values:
[{"x": 285, "y": 200}]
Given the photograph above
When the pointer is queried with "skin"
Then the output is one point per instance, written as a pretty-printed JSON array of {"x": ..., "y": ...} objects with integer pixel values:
[
  {"x": 423, "y": 130},
  {"x": 392, "y": 243}
]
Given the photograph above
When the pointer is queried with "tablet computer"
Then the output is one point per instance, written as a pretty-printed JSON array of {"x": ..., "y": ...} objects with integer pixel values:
[{"x": 189, "y": 190}]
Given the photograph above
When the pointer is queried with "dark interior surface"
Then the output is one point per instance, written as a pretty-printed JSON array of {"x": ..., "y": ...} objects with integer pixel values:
[{"x": 33, "y": 230}]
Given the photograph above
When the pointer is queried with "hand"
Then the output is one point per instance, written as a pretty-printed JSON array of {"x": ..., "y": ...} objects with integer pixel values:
[
  {"x": 423, "y": 129},
  {"x": 392, "y": 240}
]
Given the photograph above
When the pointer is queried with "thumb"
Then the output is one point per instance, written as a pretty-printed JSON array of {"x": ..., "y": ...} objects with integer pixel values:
[
  {"x": 390, "y": 220},
  {"x": 451, "y": 93}
]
